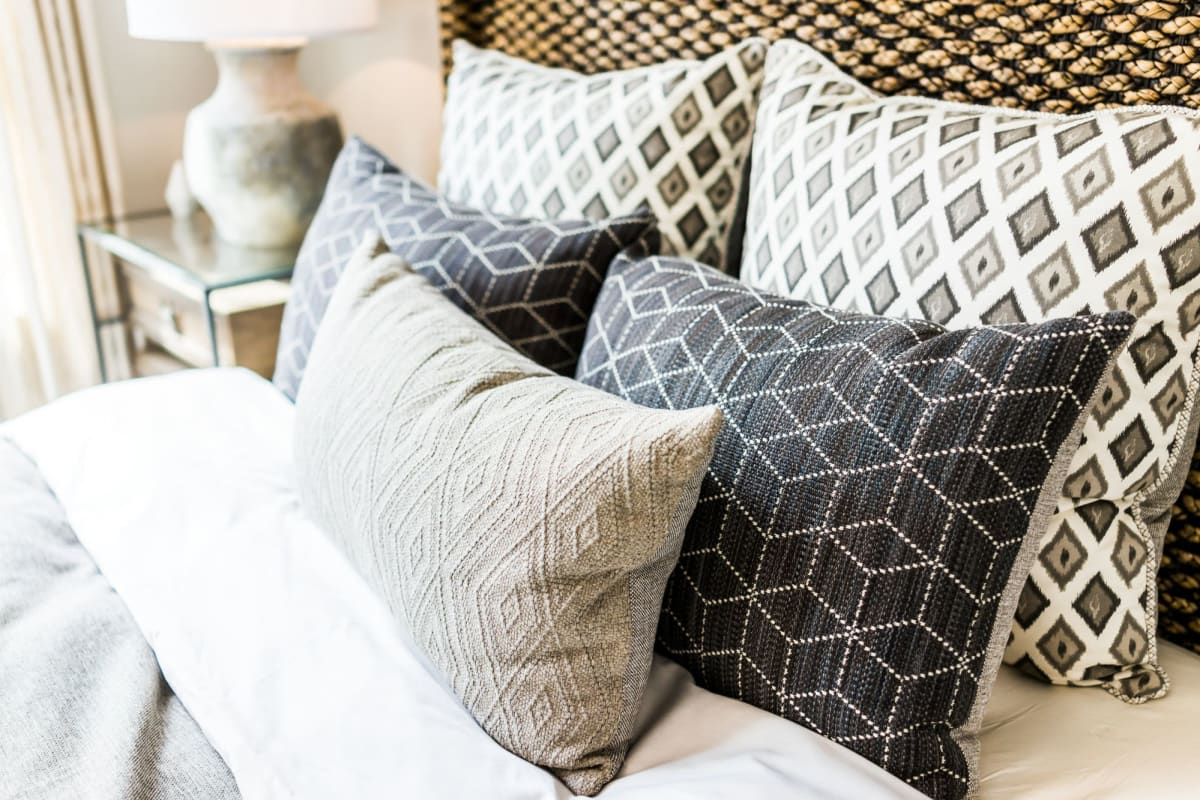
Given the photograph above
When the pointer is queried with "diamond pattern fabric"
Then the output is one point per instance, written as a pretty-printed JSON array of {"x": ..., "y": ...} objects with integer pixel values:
[
  {"x": 969, "y": 215},
  {"x": 531, "y": 282},
  {"x": 519, "y": 525},
  {"x": 523, "y": 139},
  {"x": 874, "y": 502}
]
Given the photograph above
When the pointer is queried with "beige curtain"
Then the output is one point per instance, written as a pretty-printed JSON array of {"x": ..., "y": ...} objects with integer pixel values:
[{"x": 56, "y": 168}]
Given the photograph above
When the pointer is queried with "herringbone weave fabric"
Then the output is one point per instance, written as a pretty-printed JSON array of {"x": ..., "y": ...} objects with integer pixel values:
[
  {"x": 877, "y": 494},
  {"x": 520, "y": 526},
  {"x": 530, "y": 281},
  {"x": 966, "y": 215}
]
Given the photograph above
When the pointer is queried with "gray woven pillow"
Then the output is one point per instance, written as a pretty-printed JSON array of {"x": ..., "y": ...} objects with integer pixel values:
[{"x": 521, "y": 526}]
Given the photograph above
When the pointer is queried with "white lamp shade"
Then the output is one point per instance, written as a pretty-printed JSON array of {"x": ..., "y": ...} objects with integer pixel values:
[{"x": 225, "y": 20}]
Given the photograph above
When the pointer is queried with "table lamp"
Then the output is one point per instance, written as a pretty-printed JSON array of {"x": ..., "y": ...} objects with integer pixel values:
[{"x": 258, "y": 152}]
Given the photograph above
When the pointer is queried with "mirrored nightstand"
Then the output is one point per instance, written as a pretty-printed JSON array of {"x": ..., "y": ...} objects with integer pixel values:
[{"x": 187, "y": 294}]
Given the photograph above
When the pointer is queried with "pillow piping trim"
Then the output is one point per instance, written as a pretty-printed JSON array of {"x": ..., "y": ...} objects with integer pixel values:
[
  {"x": 966, "y": 736},
  {"x": 1156, "y": 542}
]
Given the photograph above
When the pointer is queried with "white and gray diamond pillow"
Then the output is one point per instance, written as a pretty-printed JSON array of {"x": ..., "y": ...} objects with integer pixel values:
[
  {"x": 520, "y": 138},
  {"x": 966, "y": 215}
]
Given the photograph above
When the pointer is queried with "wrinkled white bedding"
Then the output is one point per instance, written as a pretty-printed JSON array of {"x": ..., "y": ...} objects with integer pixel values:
[{"x": 181, "y": 488}]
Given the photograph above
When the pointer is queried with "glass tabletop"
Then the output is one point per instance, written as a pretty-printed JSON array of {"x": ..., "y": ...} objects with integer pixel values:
[{"x": 190, "y": 249}]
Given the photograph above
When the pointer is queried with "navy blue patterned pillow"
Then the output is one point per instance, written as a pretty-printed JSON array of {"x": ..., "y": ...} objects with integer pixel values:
[
  {"x": 532, "y": 282},
  {"x": 876, "y": 497}
]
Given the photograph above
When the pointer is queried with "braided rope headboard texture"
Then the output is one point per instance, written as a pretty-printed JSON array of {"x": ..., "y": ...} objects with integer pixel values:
[
  {"x": 1049, "y": 56},
  {"x": 1054, "y": 55}
]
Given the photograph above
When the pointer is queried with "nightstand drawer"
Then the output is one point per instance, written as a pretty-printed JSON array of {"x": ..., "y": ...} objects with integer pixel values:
[
  {"x": 246, "y": 321},
  {"x": 167, "y": 316}
]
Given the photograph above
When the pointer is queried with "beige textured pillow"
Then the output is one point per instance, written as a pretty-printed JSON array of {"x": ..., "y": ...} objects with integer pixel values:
[{"x": 520, "y": 525}]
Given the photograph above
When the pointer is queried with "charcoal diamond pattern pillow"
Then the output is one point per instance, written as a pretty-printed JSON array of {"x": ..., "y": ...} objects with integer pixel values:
[
  {"x": 520, "y": 138},
  {"x": 877, "y": 493},
  {"x": 531, "y": 282},
  {"x": 966, "y": 215}
]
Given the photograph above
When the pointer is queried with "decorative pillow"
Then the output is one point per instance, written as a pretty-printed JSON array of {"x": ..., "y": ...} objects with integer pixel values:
[
  {"x": 966, "y": 215},
  {"x": 520, "y": 526},
  {"x": 877, "y": 494},
  {"x": 525, "y": 139},
  {"x": 531, "y": 282}
]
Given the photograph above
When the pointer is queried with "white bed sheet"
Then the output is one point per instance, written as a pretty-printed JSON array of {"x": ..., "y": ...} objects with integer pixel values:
[
  {"x": 1043, "y": 742},
  {"x": 181, "y": 488}
]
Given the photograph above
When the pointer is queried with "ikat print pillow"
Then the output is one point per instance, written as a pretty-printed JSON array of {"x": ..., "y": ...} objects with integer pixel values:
[
  {"x": 966, "y": 215},
  {"x": 520, "y": 138},
  {"x": 876, "y": 496},
  {"x": 530, "y": 281}
]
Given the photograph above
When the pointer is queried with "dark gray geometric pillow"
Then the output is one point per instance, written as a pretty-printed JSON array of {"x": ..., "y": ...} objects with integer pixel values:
[
  {"x": 532, "y": 282},
  {"x": 878, "y": 492}
]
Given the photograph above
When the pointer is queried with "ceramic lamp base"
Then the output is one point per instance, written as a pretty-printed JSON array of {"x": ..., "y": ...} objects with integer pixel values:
[{"x": 258, "y": 152}]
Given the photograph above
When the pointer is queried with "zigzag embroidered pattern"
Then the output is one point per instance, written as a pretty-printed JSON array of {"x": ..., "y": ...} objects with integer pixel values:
[{"x": 519, "y": 526}]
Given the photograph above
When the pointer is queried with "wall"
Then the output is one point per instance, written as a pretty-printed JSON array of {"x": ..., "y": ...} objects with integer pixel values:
[{"x": 386, "y": 84}]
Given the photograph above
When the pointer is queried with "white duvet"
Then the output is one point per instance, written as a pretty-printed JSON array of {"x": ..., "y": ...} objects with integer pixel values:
[{"x": 181, "y": 488}]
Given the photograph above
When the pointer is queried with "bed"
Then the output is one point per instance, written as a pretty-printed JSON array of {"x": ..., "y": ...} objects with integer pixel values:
[
  {"x": 243, "y": 655},
  {"x": 248, "y": 608}
]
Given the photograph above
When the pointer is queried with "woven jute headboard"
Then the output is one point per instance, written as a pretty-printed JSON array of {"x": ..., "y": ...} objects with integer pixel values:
[{"x": 1051, "y": 56}]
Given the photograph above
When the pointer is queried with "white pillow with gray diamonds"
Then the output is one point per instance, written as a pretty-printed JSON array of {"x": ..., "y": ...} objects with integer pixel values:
[
  {"x": 520, "y": 138},
  {"x": 966, "y": 215}
]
